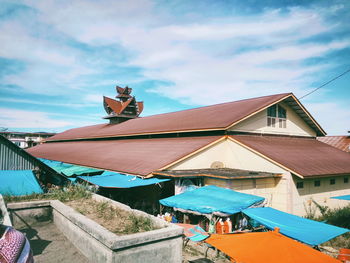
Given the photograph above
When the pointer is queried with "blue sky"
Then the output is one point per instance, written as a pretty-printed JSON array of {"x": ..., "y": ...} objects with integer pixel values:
[{"x": 58, "y": 58}]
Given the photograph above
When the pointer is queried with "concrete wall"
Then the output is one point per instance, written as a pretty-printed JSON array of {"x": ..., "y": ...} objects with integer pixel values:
[
  {"x": 274, "y": 190},
  {"x": 258, "y": 124},
  {"x": 100, "y": 245},
  {"x": 23, "y": 214},
  {"x": 5, "y": 219},
  {"x": 97, "y": 243},
  {"x": 321, "y": 194},
  {"x": 282, "y": 193}
]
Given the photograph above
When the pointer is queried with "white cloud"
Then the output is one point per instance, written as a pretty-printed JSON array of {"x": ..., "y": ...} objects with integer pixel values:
[
  {"x": 17, "y": 43},
  {"x": 94, "y": 98},
  {"x": 206, "y": 62},
  {"x": 29, "y": 119},
  {"x": 89, "y": 102},
  {"x": 34, "y": 120},
  {"x": 195, "y": 58},
  {"x": 333, "y": 117}
]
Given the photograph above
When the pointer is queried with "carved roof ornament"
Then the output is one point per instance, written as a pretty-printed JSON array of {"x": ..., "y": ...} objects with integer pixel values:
[{"x": 123, "y": 109}]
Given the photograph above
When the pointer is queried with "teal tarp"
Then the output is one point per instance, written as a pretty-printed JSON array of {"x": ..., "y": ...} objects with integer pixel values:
[
  {"x": 18, "y": 182},
  {"x": 78, "y": 170},
  {"x": 117, "y": 180},
  {"x": 212, "y": 199},
  {"x": 342, "y": 197},
  {"x": 305, "y": 230},
  {"x": 69, "y": 169}
]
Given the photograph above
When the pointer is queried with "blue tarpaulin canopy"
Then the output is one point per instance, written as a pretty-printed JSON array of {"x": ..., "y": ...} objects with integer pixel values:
[
  {"x": 305, "y": 230},
  {"x": 18, "y": 182},
  {"x": 117, "y": 180},
  {"x": 212, "y": 199},
  {"x": 342, "y": 197},
  {"x": 69, "y": 169}
]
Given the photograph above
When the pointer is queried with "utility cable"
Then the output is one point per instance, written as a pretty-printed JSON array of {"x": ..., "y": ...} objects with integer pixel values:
[{"x": 337, "y": 77}]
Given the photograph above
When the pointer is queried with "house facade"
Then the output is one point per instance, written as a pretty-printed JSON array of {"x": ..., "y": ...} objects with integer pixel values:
[
  {"x": 264, "y": 146},
  {"x": 26, "y": 139}
]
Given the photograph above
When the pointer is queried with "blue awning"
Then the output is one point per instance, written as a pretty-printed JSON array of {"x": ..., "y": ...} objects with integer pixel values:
[
  {"x": 342, "y": 197},
  {"x": 69, "y": 169},
  {"x": 18, "y": 182},
  {"x": 212, "y": 199},
  {"x": 117, "y": 180},
  {"x": 305, "y": 230}
]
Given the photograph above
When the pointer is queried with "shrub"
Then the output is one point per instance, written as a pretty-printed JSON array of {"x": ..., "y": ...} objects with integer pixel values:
[
  {"x": 338, "y": 217},
  {"x": 69, "y": 193}
]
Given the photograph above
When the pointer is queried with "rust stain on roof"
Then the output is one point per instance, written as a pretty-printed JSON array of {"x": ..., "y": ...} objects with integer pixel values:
[
  {"x": 340, "y": 142},
  {"x": 138, "y": 156},
  {"x": 305, "y": 156}
]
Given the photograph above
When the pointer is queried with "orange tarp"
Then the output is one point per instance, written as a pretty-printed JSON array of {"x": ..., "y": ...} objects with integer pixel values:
[{"x": 271, "y": 247}]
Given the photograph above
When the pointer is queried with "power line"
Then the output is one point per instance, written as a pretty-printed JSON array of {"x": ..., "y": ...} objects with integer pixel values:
[{"x": 337, "y": 77}]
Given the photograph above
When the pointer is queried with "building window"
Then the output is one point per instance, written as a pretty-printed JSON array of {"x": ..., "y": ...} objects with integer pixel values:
[
  {"x": 346, "y": 180},
  {"x": 300, "y": 185},
  {"x": 317, "y": 183},
  {"x": 332, "y": 181},
  {"x": 276, "y": 114}
]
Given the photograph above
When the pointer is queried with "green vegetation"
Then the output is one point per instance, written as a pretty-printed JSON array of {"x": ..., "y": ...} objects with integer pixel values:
[
  {"x": 70, "y": 193},
  {"x": 79, "y": 197},
  {"x": 114, "y": 219},
  {"x": 139, "y": 224},
  {"x": 65, "y": 194},
  {"x": 337, "y": 217}
]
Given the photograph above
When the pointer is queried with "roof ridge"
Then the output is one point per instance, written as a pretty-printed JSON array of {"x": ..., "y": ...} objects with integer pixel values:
[{"x": 223, "y": 103}]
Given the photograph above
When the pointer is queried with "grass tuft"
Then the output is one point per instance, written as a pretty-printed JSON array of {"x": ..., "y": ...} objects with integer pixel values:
[
  {"x": 114, "y": 219},
  {"x": 69, "y": 193}
]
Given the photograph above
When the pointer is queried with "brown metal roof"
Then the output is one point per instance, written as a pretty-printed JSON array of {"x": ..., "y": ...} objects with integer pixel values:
[
  {"x": 215, "y": 117},
  {"x": 303, "y": 156},
  {"x": 116, "y": 106},
  {"x": 340, "y": 142},
  {"x": 138, "y": 156},
  {"x": 221, "y": 173}
]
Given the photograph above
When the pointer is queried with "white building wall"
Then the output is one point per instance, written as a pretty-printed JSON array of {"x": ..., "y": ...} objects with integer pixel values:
[
  {"x": 258, "y": 124},
  {"x": 235, "y": 156},
  {"x": 321, "y": 194},
  {"x": 232, "y": 155},
  {"x": 281, "y": 193}
]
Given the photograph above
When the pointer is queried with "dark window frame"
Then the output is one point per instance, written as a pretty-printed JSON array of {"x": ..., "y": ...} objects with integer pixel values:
[
  {"x": 300, "y": 185},
  {"x": 317, "y": 183},
  {"x": 276, "y": 116}
]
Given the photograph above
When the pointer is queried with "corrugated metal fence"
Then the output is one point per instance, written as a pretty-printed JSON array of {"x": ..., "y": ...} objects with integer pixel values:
[{"x": 14, "y": 158}]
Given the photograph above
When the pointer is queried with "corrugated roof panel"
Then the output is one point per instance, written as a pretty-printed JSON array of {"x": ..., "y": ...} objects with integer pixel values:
[
  {"x": 340, "y": 142},
  {"x": 305, "y": 156},
  {"x": 138, "y": 156},
  {"x": 213, "y": 117}
]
